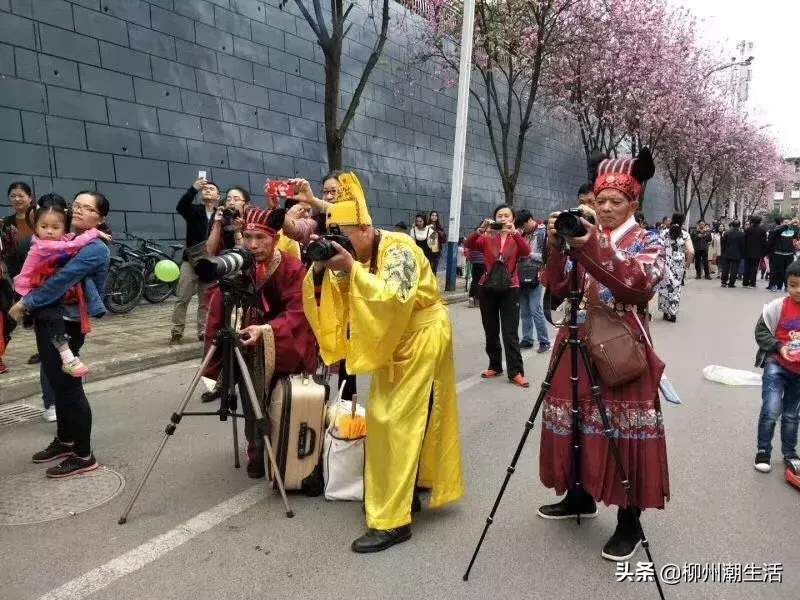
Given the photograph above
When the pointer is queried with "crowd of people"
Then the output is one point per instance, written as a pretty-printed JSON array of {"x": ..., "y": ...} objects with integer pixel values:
[{"x": 376, "y": 308}]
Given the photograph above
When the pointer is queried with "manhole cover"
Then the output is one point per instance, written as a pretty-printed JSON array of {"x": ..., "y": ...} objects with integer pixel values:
[
  {"x": 31, "y": 497},
  {"x": 18, "y": 413}
]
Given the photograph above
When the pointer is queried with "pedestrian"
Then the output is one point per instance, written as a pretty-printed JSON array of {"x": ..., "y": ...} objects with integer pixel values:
[
  {"x": 781, "y": 252},
  {"x": 502, "y": 245},
  {"x": 778, "y": 339},
  {"x": 715, "y": 250},
  {"x": 199, "y": 218},
  {"x": 679, "y": 252},
  {"x": 478, "y": 268},
  {"x": 421, "y": 233},
  {"x": 701, "y": 240},
  {"x": 8, "y": 244},
  {"x": 732, "y": 251},
  {"x": 586, "y": 195},
  {"x": 401, "y": 227},
  {"x": 400, "y": 332},
  {"x": 530, "y": 291},
  {"x": 461, "y": 260},
  {"x": 436, "y": 240},
  {"x": 755, "y": 248},
  {"x": 619, "y": 264},
  {"x": 89, "y": 268},
  {"x": 51, "y": 248}
]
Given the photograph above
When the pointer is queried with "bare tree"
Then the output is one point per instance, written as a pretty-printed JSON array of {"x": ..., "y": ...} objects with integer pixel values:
[{"x": 331, "y": 32}]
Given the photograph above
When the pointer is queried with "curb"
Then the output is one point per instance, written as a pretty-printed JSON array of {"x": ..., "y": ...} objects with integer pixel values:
[{"x": 19, "y": 387}]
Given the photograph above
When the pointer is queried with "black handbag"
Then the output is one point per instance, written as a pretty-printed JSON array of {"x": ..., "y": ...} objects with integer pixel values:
[
  {"x": 498, "y": 279},
  {"x": 528, "y": 273}
]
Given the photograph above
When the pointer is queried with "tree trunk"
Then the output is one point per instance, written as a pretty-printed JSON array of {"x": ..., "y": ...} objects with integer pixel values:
[
  {"x": 332, "y": 138},
  {"x": 508, "y": 191}
]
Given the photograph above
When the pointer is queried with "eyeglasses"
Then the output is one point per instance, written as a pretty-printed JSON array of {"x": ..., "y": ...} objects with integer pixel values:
[
  {"x": 77, "y": 207},
  {"x": 329, "y": 192}
]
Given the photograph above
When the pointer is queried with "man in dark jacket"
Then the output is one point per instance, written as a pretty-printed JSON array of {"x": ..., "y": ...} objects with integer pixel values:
[
  {"x": 732, "y": 253},
  {"x": 755, "y": 247},
  {"x": 781, "y": 252},
  {"x": 701, "y": 239}
]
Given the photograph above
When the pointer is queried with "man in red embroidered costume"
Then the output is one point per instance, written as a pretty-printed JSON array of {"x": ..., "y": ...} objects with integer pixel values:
[
  {"x": 276, "y": 332},
  {"x": 620, "y": 263}
]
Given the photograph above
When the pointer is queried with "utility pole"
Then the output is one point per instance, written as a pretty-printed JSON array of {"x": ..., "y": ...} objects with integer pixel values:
[
  {"x": 459, "y": 148},
  {"x": 742, "y": 74}
]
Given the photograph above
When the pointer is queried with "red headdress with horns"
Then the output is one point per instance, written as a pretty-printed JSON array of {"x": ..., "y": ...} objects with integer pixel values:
[
  {"x": 263, "y": 221},
  {"x": 626, "y": 175}
]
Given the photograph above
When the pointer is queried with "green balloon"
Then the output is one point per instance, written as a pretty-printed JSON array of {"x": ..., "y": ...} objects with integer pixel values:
[{"x": 167, "y": 271}]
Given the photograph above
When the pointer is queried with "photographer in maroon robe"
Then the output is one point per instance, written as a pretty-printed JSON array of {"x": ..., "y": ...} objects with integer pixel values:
[
  {"x": 276, "y": 334},
  {"x": 620, "y": 264}
]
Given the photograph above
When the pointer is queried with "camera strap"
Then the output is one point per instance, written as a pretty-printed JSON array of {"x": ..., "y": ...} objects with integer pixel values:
[{"x": 373, "y": 261}]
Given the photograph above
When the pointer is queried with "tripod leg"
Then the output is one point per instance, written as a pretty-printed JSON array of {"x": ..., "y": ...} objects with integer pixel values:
[
  {"x": 512, "y": 467},
  {"x": 251, "y": 393},
  {"x": 235, "y": 443},
  {"x": 597, "y": 396},
  {"x": 170, "y": 429}
]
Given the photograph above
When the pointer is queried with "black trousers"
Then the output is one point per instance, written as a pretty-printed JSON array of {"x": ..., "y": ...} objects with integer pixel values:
[
  {"x": 477, "y": 272},
  {"x": 500, "y": 312},
  {"x": 778, "y": 263},
  {"x": 51, "y": 318},
  {"x": 701, "y": 263},
  {"x": 434, "y": 259},
  {"x": 750, "y": 271},
  {"x": 730, "y": 269},
  {"x": 73, "y": 412}
]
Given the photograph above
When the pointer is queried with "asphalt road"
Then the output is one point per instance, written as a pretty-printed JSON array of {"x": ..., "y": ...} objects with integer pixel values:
[{"x": 201, "y": 530}]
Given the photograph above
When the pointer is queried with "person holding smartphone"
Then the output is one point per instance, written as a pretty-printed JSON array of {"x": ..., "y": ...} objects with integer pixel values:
[
  {"x": 198, "y": 219},
  {"x": 502, "y": 245}
]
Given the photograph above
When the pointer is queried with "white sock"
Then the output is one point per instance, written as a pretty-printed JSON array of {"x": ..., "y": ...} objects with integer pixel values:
[{"x": 66, "y": 354}]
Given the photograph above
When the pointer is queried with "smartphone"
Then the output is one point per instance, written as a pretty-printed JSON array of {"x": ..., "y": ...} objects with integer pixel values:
[
  {"x": 280, "y": 188},
  {"x": 201, "y": 174}
]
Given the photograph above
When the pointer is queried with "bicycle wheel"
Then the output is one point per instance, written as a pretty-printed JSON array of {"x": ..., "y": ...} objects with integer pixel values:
[
  {"x": 124, "y": 289},
  {"x": 155, "y": 290}
]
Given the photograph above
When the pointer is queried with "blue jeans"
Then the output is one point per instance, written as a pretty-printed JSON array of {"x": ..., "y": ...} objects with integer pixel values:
[
  {"x": 530, "y": 302},
  {"x": 780, "y": 397}
]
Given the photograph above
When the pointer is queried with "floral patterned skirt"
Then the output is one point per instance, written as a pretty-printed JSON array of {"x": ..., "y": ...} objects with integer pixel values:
[{"x": 635, "y": 414}]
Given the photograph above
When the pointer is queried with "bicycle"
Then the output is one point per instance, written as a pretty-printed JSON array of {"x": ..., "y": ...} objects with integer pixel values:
[
  {"x": 124, "y": 287},
  {"x": 148, "y": 254}
]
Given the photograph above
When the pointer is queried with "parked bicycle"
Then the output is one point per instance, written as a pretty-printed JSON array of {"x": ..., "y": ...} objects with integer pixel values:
[
  {"x": 147, "y": 254},
  {"x": 124, "y": 287}
]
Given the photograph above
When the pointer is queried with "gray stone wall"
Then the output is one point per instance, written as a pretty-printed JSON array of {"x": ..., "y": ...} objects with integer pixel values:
[{"x": 134, "y": 98}]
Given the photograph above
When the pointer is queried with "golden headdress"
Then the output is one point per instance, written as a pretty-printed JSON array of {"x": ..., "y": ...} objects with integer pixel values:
[{"x": 350, "y": 207}]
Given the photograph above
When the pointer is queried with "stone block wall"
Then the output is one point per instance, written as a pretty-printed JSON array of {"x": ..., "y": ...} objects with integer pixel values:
[{"x": 134, "y": 97}]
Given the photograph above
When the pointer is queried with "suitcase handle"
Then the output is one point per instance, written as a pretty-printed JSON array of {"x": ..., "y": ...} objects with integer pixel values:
[{"x": 306, "y": 431}]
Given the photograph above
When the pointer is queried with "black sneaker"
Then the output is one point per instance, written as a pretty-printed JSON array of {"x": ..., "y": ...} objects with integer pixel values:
[
  {"x": 211, "y": 395},
  {"x": 569, "y": 507},
  {"x": 791, "y": 461},
  {"x": 57, "y": 449},
  {"x": 525, "y": 345},
  {"x": 377, "y": 540},
  {"x": 761, "y": 463},
  {"x": 543, "y": 349},
  {"x": 176, "y": 339},
  {"x": 625, "y": 540},
  {"x": 256, "y": 468},
  {"x": 73, "y": 465}
]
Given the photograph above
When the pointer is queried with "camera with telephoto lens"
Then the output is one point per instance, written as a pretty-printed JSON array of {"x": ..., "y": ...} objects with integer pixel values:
[
  {"x": 228, "y": 263},
  {"x": 322, "y": 249},
  {"x": 568, "y": 222},
  {"x": 228, "y": 215}
]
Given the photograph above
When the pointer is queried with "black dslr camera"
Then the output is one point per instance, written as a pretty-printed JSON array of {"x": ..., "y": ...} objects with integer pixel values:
[
  {"x": 228, "y": 215},
  {"x": 568, "y": 222},
  {"x": 322, "y": 249}
]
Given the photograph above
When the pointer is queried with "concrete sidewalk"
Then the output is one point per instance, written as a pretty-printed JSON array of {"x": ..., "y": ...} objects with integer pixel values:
[{"x": 121, "y": 344}]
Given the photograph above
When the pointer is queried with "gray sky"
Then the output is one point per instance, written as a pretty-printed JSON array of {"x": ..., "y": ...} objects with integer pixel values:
[{"x": 774, "y": 27}]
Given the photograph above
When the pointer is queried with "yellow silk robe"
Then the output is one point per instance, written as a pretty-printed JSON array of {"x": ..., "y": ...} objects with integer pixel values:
[{"x": 400, "y": 332}]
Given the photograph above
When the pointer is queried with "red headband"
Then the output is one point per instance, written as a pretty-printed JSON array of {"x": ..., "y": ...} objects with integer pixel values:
[{"x": 257, "y": 220}]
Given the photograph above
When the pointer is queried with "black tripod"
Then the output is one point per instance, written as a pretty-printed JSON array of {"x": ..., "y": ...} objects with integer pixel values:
[
  {"x": 577, "y": 348},
  {"x": 234, "y": 369}
]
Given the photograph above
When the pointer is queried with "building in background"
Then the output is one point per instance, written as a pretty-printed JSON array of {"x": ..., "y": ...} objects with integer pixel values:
[{"x": 786, "y": 193}]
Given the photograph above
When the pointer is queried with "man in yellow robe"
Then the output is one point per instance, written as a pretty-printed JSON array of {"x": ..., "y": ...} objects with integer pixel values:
[{"x": 399, "y": 331}]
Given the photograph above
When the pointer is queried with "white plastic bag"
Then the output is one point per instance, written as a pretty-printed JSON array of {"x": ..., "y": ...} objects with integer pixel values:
[
  {"x": 343, "y": 460},
  {"x": 730, "y": 376}
]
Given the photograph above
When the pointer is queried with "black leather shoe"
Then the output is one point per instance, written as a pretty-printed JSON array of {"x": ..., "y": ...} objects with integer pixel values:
[
  {"x": 625, "y": 540},
  {"x": 377, "y": 540},
  {"x": 211, "y": 395},
  {"x": 255, "y": 468},
  {"x": 570, "y": 506}
]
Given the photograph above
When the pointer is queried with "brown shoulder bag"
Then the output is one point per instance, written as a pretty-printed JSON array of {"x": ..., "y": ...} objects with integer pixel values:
[{"x": 618, "y": 355}]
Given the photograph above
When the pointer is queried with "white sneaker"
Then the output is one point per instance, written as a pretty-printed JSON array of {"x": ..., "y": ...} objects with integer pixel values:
[{"x": 49, "y": 414}]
